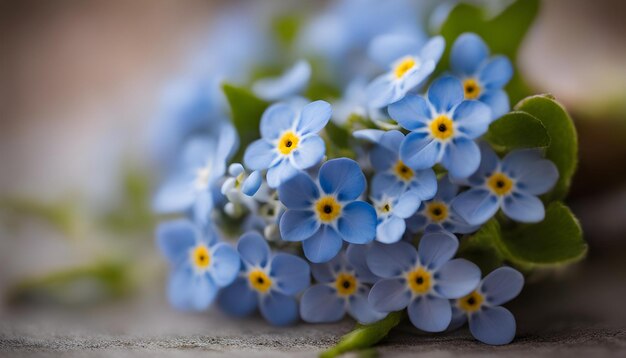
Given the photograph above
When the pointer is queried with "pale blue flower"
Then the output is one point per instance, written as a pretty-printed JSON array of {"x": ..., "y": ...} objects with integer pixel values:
[
  {"x": 289, "y": 84},
  {"x": 289, "y": 141},
  {"x": 200, "y": 264},
  {"x": 392, "y": 213}
]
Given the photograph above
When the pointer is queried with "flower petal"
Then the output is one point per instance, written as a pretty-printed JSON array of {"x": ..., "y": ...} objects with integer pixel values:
[
  {"x": 424, "y": 183},
  {"x": 387, "y": 183},
  {"x": 381, "y": 91},
  {"x": 419, "y": 152},
  {"x": 493, "y": 325},
  {"x": 390, "y": 230},
  {"x": 342, "y": 177},
  {"x": 461, "y": 158},
  {"x": 370, "y": 135},
  {"x": 253, "y": 249},
  {"x": 299, "y": 192},
  {"x": 389, "y": 295},
  {"x": 225, "y": 264},
  {"x": 496, "y": 72},
  {"x": 430, "y": 314},
  {"x": 386, "y": 49},
  {"x": 280, "y": 173},
  {"x": 291, "y": 273},
  {"x": 476, "y": 206},
  {"x": 457, "y": 278},
  {"x": 279, "y": 309},
  {"x": 176, "y": 195},
  {"x": 498, "y": 101},
  {"x": 357, "y": 256},
  {"x": 238, "y": 299},
  {"x": 437, "y": 248},
  {"x": 175, "y": 238},
  {"x": 472, "y": 118},
  {"x": 467, "y": 54},
  {"x": 362, "y": 310},
  {"x": 323, "y": 245},
  {"x": 445, "y": 93},
  {"x": 252, "y": 184},
  {"x": 278, "y": 118},
  {"x": 188, "y": 291},
  {"x": 320, "y": 304},
  {"x": 433, "y": 49},
  {"x": 407, "y": 204},
  {"x": 446, "y": 190},
  {"x": 502, "y": 285},
  {"x": 459, "y": 318},
  {"x": 314, "y": 117},
  {"x": 310, "y": 151},
  {"x": 298, "y": 225},
  {"x": 357, "y": 223},
  {"x": 534, "y": 175},
  {"x": 260, "y": 154},
  {"x": 291, "y": 82},
  {"x": 523, "y": 208},
  {"x": 391, "y": 260},
  {"x": 411, "y": 112}
]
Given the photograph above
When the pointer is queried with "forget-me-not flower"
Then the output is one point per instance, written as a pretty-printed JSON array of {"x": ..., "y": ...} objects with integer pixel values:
[
  {"x": 289, "y": 141},
  {"x": 289, "y": 84},
  {"x": 322, "y": 215},
  {"x": 512, "y": 185},
  {"x": 483, "y": 78},
  {"x": 409, "y": 61},
  {"x": 239, "y": 187},
  {"x": 437, "y": 214},
  {"x": 443, "y": 128},
  {"x": 267, "y": 281},
  {"x": 343, "y": 284},
  {"x": 203, "y": 163},
  {"x": 392, "y": 213},
  {"x": 200, "y": 264},
  {"x": 488, "y": 321},
  {"x": 423, "y": 280}
]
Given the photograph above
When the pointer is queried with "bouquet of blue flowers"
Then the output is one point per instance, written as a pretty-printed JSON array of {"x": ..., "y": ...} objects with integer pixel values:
[{"x": 349, "y": 164}]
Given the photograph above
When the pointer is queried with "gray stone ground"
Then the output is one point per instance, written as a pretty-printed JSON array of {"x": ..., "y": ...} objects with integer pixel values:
[{"x": 579, "y": 313}]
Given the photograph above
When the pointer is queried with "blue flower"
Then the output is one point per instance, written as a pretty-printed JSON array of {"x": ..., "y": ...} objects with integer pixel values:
[
  {"x": 392, "y": 213},
  {"x": 483, "y": 78},
  {"x": 488, "y": 321},
  {"x": 437, "y": 214},
  {"x": 269, "y": 282},
  {"x": 203, "y": 163},
  {"x": 200, "y": 264},
  {"x": 342, "y": 286},
  {"x": 423, "y": 280},
  {"x": 393, "y": 177},
  {"x": 289, "y": 84},
  {"x": 512, "y": 185},
  {"x": 323, "y": 215},
  {"x": 409, "y": 62},
  {"x": 443, "y": 127},
  {"x": 289, "y": 141}
]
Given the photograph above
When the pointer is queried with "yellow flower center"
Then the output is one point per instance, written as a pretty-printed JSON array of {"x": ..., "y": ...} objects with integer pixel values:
[
  {"x": 419, "y": 281},
  {"x": 403, "y": 66},
  {"x": 384, "y": 208},
  {"x": 437, "y": 211},
  {"x": 328, "y": 209},
  {"x": 500, "y": 184},
  {"x": 259, "y": 280},
  {"x": 442, "y": 127},
  {"x": 471, "y": 88},
  {"x": 402, "y": 171},
  {"x": 471, "y": 302},
  {"x": 346, "y": 284},
  {"x": 201, "y": 257},
  {"x": 288, "y": 142}
]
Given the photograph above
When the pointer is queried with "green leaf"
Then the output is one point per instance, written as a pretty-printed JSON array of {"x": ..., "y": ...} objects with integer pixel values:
[
  {"x": 517, "y": 130},
  {"x": 556, "y": 240},
  {"x": 365, "y": 336},
  {"x": 503, "y": 34},
  {"x": 482, "y": 248},
  {"x": 246, "y": 111},
  {"x": 563, "y": 148},
  {"x": 286, "y": 28}
]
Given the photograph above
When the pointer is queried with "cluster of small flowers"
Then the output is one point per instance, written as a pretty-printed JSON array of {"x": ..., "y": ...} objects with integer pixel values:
[{"x": 422, "y": 173}]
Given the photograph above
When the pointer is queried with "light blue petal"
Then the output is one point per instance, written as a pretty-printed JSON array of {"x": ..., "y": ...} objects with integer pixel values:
[
  {"x": 411, "y": 112},
  {"x": 523, "y": 208},
  {"x": 198, "y": 151},
  {"x": 489, "y": 162},
  {"x": 260, "y": 154},
  {"x": 415, "y": 79},
  {"x": 299, "y": 192},
  {"x": 314, "y": 117},
  {"x": 391, "y": 140},
  {"x": 175, "y": 238},
  {"x": 342, "y": 177},
  {"x": 298, "y": 225},
  {"x": 370, "y": 135},
  {"x": 238, "y": 299},
  {"x": 430, "y": 314},
  {"x": 416, "y": 223},
  {"x": 225, "y": 264},
  {"x": 446, "y": 190},
  {"x": 202, "y": 206},
  {"x": 323, "y": 245},
  {"x": 176, "y": 195},
  {"x": 496, "y": 72},
  {"x": 445, "y": 93},
  {"x": 235, "y": 169},
  {"x": 419, "y": 152},
  {"x": 498, "y": 101},
  {"x": 252, "y": 184},
  {"x": 320, "y": 304},
  {"x": 389, "y": 295},
  {"x": 357, "y": 223},
  {"x": 325, "y": 272},
  {"x": 381, "y": 91},
  {"x": 476, "y": 206},
  {"x": 433, "y": 49},
  {"x": 467, "y": 54},
  {"x": 437, "y": 248},
  {"x": 357, "y": 257},
  {"x": 424, "y": 184},
  {"x": 362, "y": 310},
  {"x": 289, "y": 83},
  {"x": 387, "y": 183},
  {"x": 407, "y": 204},
  {"x": 502, "y": 285},
  {"x": 253, "y": 249},
  {"x": 461, "y": 158},
  {"x": 534, "y": 175},
  {"x": 457, "y": 278},
  {"x": 227, "y": 145},
  {"x": 386, "y": 49},
  {"x": 310, "y": 151},
  {"x": 390, "y": 230},
  {"x": 472, "y": 118},
  {"x": 276, "y": 119},
  {"x": 493, "y": 325},
  {"x": 187, "y": 291},
  {"x": 280, "y": 173},
  {"x": 459, "y": 318},
  {"x": 382, "y": 159},
  {"x": 291, "y": 273},
  {"x": 279, "y": 309},
  {"x": 391, "y": 260}
]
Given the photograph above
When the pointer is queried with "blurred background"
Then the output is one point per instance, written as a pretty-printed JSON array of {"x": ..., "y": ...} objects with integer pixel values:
[{"x": 80, "y": 88}]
